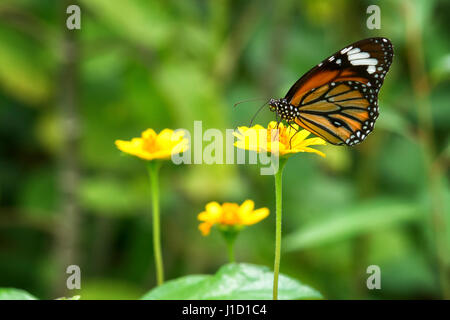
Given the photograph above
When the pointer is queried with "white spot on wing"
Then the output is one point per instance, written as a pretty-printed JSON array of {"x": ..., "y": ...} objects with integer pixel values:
[
  {"x": 360, "y": 55},
  {"x": 365, "y": 62},
  {"x": 371, "y": 69},
  {"x": 356, "y": 50},
  {"x": 346, "y": 49}
]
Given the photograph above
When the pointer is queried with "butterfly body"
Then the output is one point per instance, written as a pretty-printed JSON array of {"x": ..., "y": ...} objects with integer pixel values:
[
  {"x": 338, "y": 99},
  {"x": 284, "y": 109}
]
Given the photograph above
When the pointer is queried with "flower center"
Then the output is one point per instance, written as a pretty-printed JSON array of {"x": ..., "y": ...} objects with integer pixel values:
[
  {"x": 280, "y": 136},
  {"x": 230, "y": 214},
  {"x": 150, "y": 145}
]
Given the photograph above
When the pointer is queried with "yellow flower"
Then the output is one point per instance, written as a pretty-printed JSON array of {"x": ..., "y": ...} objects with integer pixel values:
[
  {"x": 230, "y": 215},
  {"x": 249, "y": 139},
  {"x": 152, "y": 146}
]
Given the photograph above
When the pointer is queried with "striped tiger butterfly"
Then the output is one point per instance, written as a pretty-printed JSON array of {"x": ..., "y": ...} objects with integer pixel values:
[{"x": 337, "y": 100}]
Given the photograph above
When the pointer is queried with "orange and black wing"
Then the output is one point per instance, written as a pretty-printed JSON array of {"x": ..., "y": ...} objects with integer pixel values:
[{"x": 338, "y": 99}]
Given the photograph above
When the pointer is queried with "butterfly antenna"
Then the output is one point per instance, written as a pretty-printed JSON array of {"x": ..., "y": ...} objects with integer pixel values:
[
  {"x": 247, "y": 100},
  {"x": 259, "y": 110}
]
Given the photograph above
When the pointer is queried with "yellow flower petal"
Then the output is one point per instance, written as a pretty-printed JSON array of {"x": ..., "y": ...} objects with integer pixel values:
[
  {"x": 149, "y": 134},
  {"x": 256, "y": 216},
  {"x": 246, "y": 207},
  {"x": 165, "y": 136},
  {"x": 205, "y": 228},
  {"x": 204, "y": 216},
  {"x": 313, "y": 141},
  {"x": 133, "y": 147},
  {"x": 300, "y": 137},
  {"x": 214, "y": 208}
]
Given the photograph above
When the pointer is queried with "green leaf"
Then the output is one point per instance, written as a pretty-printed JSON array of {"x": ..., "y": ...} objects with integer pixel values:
[
  {"x": 70, "y": 298},
  {"x": 22, "y": 74},
  {"x": 360, "y": 219},
  {"x": 15, "y": 294},
  {"x": 144, "y": 22},
  {"x": 232, "y": 282},
  {"x": 180, "y": 288}
]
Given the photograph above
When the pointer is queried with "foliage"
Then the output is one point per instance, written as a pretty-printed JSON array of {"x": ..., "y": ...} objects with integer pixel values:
[
  {"x": 15, "y": 294},
  {"x": 232, "y": 281}
]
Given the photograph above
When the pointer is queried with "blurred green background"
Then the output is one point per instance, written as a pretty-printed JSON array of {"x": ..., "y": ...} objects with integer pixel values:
[{"x": 67, "y": 196}]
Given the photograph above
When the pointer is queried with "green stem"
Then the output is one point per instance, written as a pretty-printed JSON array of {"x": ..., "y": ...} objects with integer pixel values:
[
  {"x": 230, "y": 239},
  {"x": 230, "y": 247},
  {"x": 153, "y": 171},
  {"x": 278, "y": 199}
]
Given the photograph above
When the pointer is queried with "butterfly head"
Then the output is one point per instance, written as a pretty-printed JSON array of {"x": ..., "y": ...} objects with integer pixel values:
[{"x": 273, "y": 104}]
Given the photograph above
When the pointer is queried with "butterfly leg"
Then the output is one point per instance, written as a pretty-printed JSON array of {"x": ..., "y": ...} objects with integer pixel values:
[
  {"x": 278, "y": 123},
  {"x": 296, "y": 131}
]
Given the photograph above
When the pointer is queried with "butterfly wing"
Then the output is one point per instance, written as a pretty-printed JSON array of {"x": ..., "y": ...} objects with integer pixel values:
[{"x": 338, "y": 99}]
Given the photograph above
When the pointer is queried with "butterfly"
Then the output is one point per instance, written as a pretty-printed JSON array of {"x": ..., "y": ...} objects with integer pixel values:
[{"x": 337, "y": 100}]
